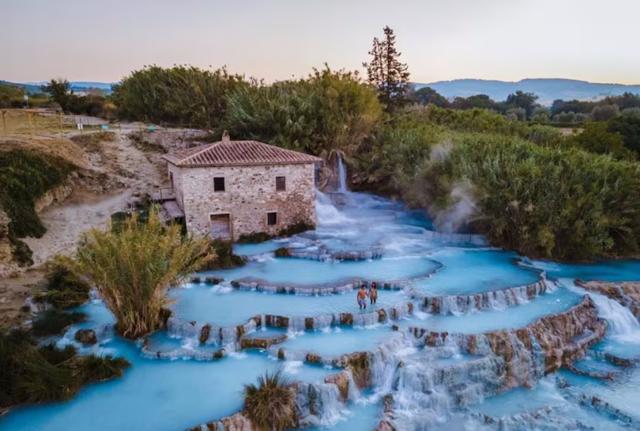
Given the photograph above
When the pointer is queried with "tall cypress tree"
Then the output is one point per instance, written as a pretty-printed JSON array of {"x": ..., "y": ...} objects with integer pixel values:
[{"x": 386, "y": 72}]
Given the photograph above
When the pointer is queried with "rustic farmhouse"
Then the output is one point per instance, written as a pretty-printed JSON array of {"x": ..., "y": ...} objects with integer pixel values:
[{"x": 231, "y": 188}]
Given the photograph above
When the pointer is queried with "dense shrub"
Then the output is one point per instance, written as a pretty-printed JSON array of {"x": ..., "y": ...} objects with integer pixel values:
[
  {"x": 223, "y": 250},
  {"x": 20, "y": 251},
  {"x": 54, "y": 322},
  {"x": 11, "y": 96},
  {"x": 550, "y": 202},
  {"x": 32, "y": 374},
  {"x": 60, "y": 93},
  {"x": 91, "y": 141},
  {"x": 327, "y": 111},
  {"x": 24, "y": 177},
  {"x": 257, "y": 237},
  {"x": 604, "y": 112},
  {"x": 484, "y": 121},
  {"x": 596, "y": 137},
  {"x": 270, "y": 405},
  {"x": 628, "y": 127},
  {"x": 382, "y": 165},
  {"x": 181, "y": 95},
  {"x": 64, "y": 288}
]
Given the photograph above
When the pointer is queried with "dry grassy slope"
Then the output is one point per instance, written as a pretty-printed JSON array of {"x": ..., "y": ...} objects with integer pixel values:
[{"x": 54, "y": 146}]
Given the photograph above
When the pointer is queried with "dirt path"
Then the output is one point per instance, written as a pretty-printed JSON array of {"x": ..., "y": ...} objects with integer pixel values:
[
  {"x": 139, "y": 172},
  {"x": 120, "y": 172}
]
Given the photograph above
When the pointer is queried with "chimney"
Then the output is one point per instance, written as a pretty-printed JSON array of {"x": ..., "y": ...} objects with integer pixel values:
[{"x": 225, "y": 137}]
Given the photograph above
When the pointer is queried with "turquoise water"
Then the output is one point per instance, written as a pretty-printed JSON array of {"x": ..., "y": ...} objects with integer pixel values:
[
  {"x": 617, "y": 270},
  {"x": 156, "y": 395},
  {"x": 226, "y": 307},
  {"x": 305, "y": 272},
  {"x": 358, "y": 416},
  {"x": 468, "y": 271},
  {"x": 166, "y": 395},
  {"x": 338, "y": 341},
  {"x": 555, "y": 411},
  {"x": 259, "y": 248}
]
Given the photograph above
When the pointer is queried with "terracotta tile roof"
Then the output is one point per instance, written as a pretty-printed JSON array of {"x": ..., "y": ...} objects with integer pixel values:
[{"x": 238, "y": 153}]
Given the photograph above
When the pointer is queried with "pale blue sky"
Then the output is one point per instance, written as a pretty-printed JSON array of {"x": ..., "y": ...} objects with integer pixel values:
[{"x": 594, "y": 40}]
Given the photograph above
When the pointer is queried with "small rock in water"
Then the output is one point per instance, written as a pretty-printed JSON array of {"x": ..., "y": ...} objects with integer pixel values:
[{"x": 86, "y": 336}]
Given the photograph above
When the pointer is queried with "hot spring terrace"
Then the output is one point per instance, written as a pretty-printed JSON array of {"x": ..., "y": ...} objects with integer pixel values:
[{"x": 458, "y": 333}]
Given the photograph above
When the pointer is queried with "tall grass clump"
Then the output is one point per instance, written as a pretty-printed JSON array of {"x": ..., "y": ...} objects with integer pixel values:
[
  {"x": 133, "y": 267},
  {"x": 31, "y": 374},
  {"x": 270, "y": 405},
  {"x": 64, "y": 288}
]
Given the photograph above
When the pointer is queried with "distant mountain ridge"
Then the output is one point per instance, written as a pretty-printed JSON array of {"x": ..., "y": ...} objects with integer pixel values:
[
  {"x": 547, "y": 89},
  {"x": 34, "y": 87}
]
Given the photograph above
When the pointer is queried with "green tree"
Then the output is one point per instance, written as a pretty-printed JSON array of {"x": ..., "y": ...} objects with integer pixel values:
[
  {"x": 427, "y": 95},
  {"x": 627, "y": 125},
  {"x": 596, "y": 138},
  {"x": 11, "y": 96},
  {"x": 604, "y": 112},
  {"x": 480, "y": 101},
  {"x": 520, "y": 99},
  {"x": 386, "y": 72},
  {"x": 60, "y": 92},
  {"x": 540, "y": 115}
]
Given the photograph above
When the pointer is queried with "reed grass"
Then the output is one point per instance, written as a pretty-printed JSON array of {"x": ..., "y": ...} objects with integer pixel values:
[
  {"x": 133, "y": 268},
  {"x": 270, "y": 405}
]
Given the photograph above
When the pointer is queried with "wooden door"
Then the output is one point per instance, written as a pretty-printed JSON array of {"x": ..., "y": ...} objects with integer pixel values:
[{"x": 221, "y": 226}]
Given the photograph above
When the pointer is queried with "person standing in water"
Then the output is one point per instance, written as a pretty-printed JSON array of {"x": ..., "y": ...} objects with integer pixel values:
[
  {"x": 373, "y": 293},
  {"x": 362, "y": 298}
]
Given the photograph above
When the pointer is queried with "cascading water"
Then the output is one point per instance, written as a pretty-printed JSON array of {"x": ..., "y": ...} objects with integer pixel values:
[
  {"x": 623, "y": 325},
  {"x": 342, "y": 175},
  {"x": 484, "y": 302}
]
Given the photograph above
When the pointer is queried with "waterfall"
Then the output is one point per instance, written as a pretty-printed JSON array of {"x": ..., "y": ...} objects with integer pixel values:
[
  {"x": 623, "y": 325},
  {"x": 327, "y": 212},
  {"x": 342, "y": 176}
]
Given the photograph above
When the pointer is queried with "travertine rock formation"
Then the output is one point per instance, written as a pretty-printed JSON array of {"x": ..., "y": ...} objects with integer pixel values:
[{"x": 626, "y": 293}]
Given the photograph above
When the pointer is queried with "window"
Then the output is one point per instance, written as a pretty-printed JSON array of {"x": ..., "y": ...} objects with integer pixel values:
[
  {"x": 281, "y": 184},
  {"x": 218, "y": 184},
  {"x": 272, "y": 218}
]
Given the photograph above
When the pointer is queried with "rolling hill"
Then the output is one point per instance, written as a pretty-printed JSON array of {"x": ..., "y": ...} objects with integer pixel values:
[{"x": 547, "y": 89}]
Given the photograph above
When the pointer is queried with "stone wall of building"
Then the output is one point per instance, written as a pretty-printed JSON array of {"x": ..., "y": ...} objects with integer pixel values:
[
  {"x": 250, "y": 193},
  {"x": 175, "y": 178}
]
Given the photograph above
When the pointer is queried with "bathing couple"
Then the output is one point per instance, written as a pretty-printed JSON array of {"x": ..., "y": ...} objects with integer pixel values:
[{"x": 362, "y": 295}]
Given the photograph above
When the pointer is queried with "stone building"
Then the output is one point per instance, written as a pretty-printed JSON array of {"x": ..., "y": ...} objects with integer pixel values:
[{"x": 231, "y": 188}]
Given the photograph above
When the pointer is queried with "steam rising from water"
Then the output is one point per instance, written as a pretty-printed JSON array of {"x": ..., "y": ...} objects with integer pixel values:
[
  {"x": 464, "y": 206},
  {"x": 459, "y": 214}
]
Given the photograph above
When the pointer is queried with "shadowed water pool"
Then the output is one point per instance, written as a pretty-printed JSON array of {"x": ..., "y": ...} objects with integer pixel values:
[
  {"x": 156, "y": 394},
  {"x": 617, "y": 270}
]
